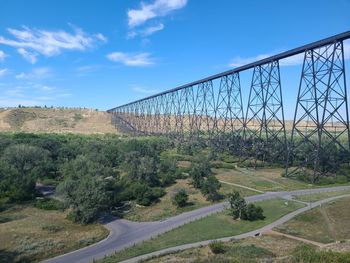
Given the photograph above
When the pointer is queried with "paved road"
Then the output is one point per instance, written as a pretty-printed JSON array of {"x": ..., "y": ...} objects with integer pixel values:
[
  {"x": 264, "y": 229},
  {"x": 124, "y": 233}
]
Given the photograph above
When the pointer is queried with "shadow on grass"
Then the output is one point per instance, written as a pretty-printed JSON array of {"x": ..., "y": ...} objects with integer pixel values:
[{"x": 10, "y": 256}]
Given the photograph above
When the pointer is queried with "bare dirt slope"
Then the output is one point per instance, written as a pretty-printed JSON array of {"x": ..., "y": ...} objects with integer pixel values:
[{"x": 85, "y": 121}]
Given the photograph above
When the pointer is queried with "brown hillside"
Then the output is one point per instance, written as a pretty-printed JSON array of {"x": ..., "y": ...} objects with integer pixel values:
[{"x": 85, "y": 121}]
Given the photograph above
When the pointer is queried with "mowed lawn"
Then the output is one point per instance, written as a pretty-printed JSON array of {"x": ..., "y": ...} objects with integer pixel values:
[
  {"x": 211, "y": 227},
  {"x": 263, "y": 179},
  {"x": 325, "y": 224},
  {"x": 31, "y": 234}
]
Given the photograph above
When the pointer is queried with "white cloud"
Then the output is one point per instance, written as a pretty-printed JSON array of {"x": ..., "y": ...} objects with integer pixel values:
[
  {"x": 135, "y": 60},
  {"x": 3, "y": 72},
  {"x": 152, "y": 29},
  {"x": 32, "y": 41},
  {"x": 2, "y": 56},
  {"x": 145, "y": 32},
  {"x": 36, "y": 73},
  {"x": 144, "y": 90},
  {"x": 29, "y": 56},
  {"x": 158, "y": 8}
]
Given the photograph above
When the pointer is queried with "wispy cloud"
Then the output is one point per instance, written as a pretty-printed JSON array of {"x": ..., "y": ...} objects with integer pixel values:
[
  {"x": 30, "y": 42},
  {"x": 3, "y": 72},
  {"x": 2, "y": 56},
  {"x": 146, "y": 31},
  {"x": 143, "y": 90},
  {"x": 29, "y": 56},
  {"x": 133, "y": 60},
  {"x": 36, "y": 73},
  {"x": 158, "y": 8},
  {"x": 150, "y": 11}
]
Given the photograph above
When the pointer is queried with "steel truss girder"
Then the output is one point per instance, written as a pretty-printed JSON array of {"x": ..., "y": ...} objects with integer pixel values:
[
  {"x": 321, "y": 115},
  {"x": 213, "y": 109},
  {"x": 264, "y": 124}
]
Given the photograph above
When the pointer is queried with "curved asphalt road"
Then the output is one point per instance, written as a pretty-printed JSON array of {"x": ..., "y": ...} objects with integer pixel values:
[
  {"x": 124, "y": 233},
  {"x": 253, "y": 233}
]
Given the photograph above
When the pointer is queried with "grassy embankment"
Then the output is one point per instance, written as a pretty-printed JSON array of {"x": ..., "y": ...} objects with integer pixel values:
[{"x": 30, "y": 234}]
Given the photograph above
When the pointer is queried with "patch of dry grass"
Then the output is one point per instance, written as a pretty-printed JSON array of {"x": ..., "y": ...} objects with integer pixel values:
[
  {"x": 235, "y": 251},
  {"x": 34, "y": 234},
  {"x": 85, "y": 121},
  {"x": 324, "y": 224}
]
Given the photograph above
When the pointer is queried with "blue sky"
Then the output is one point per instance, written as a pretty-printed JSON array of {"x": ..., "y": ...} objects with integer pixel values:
[{"x": 100, "y": 54}]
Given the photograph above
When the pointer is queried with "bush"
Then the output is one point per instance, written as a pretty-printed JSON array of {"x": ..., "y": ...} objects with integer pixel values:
[
  {"x": 217, "y": 247},
  {"x": 180, "y": 198},
  {"x": 49, "y": 204},
  {"x": 146, "y": 195},
  {"x": 252, "y": 213}
]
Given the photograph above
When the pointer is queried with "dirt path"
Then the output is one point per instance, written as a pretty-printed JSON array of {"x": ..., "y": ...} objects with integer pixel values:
[
  {"x": 242, "y": 186},
  {"x": 276, "y": 233}
]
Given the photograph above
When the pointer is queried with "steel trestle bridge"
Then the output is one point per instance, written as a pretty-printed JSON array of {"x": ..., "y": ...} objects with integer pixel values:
[{"x": 211, "y": 109}]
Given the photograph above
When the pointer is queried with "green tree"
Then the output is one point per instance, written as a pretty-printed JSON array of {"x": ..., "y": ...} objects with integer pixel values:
[
  {"x": 20, "y": 167},
  {"x": 180, "y": 198},
  {"x": 200, "y": 169},
  {"x": 237, "y": 204},
  {"x": 167, "y": 170},
  {"x": 210, "y": 187},
  {"x": 86, "y": 195},
  {"x": 86, "y": 188}
]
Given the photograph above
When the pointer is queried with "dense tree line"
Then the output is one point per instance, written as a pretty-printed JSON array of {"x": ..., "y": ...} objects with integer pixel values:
[{"x": 93, "y": 173}]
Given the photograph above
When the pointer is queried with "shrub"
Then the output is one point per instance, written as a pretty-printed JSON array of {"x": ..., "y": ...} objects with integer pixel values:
[
  {"x": 252, "y": 213},
  {"x": 48, "y": 204},
  {"x": 180, "y": 198},
  {"x": 217, "y": 247}
]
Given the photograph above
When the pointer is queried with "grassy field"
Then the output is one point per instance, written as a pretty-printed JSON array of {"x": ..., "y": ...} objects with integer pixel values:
[
  {"x": 320, "y": 196},
  {"x": 83, "y": 121},
  {"x": 211, "y": 227},
  {"x": 259, "y": 249},
  {"x": 325, "y": 224},
  {"x": 263, "y": 179},
  {"x": 31, "y": 234}
]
